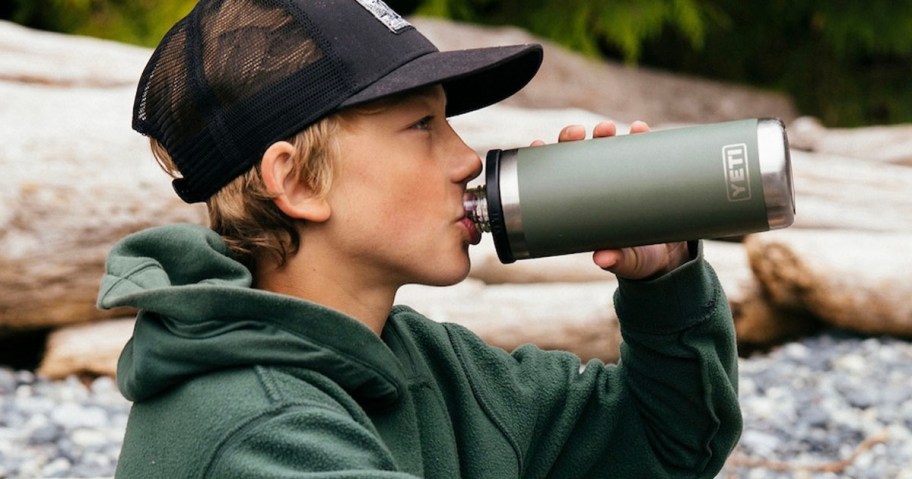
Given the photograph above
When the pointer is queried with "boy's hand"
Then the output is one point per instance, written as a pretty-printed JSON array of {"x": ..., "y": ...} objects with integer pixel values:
[{"x": 641, "y": 262}]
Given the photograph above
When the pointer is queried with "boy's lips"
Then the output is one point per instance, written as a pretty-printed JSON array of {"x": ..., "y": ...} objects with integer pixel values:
[{"x": 474, "y": 234}]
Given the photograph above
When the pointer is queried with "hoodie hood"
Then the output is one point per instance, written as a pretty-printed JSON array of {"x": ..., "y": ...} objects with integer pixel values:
[{"x": 198, "y": 313}]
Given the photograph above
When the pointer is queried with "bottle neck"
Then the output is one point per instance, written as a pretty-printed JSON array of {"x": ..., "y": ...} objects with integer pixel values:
[{"x": 475, "y": 201}]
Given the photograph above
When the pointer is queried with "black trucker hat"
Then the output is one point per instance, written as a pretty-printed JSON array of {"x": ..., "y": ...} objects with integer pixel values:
[{"x": 235, "y": 76}]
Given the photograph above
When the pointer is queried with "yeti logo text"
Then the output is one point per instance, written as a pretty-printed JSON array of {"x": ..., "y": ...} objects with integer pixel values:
[{"x": 737, "y": 175}]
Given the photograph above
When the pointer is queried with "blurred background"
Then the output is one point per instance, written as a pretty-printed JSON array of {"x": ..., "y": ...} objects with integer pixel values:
[
  {"x": 822, "y": 310},
  {"x": 846, "y": 63}
]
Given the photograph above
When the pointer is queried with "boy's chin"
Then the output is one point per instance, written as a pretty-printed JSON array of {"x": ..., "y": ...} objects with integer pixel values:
[{"x": 448, "y": 277}]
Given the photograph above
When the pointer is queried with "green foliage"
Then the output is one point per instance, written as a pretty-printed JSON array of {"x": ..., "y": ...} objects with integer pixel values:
[
  {"x": 142, "y": 22},
  {"x": 586, "y": 25},
  {"x": 847, "y": 62}
]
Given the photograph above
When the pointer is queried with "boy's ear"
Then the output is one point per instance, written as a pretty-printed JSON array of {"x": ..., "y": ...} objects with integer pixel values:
[{"x": 292, "y": 196}]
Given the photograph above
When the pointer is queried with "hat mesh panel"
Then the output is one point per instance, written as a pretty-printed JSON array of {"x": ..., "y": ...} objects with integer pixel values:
[{"x": 212, "y": 93}]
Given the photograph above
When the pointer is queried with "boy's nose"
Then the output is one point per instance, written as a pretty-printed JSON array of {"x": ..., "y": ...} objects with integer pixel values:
[{"x": 467, "y": 164}]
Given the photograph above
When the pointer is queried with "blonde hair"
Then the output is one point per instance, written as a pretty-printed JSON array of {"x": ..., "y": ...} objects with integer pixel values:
[{"x": 243, "y": 212}]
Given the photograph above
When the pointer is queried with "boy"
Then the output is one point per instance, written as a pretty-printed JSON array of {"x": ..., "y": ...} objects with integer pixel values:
[{"x": 269, "y": 345}]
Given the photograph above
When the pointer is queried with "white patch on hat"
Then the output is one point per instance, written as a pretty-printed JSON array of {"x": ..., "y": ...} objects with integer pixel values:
[{"x": 385, "y": 14}]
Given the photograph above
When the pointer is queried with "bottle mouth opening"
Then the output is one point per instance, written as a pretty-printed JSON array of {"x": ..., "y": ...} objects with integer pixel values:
[{"x": 475, "y": 202}]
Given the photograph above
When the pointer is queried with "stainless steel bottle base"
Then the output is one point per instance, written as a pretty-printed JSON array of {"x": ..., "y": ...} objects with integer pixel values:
[{"x": 776, "y": 171}]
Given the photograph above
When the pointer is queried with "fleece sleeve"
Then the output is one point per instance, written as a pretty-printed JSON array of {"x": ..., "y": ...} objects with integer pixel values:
[
  {"x": 679, "y": 368},
  {"x": 668, "y": 409}
]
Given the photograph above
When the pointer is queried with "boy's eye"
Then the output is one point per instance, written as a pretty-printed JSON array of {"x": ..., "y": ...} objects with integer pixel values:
[{"x": 424, "y": 123}]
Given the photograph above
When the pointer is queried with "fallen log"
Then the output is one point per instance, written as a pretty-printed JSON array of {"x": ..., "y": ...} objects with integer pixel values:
[{"x": 848, "y": 279}]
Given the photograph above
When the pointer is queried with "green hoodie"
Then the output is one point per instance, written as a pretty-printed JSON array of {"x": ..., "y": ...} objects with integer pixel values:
[{"x": 229, "y": 381}]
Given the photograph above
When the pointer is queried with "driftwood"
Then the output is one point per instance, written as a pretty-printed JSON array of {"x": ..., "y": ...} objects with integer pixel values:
[
  {"x": 75, "y": 176},
  {"x": 797, "y": 469},
  {"x": 853, "y": 280},
  {"x": 70, "y": 352},
  {"x": 576, "y": 317},
  {"x": 837, "y": 192},
  {"x": 76, "y": 179},
  {"x": 888, "y": 144}
]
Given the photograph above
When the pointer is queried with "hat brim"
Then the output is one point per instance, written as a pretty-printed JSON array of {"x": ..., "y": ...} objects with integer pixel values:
[{"x": 472, "y": 79}]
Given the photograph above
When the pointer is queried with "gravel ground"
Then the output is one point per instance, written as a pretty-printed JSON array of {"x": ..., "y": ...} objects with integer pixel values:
[
  {"x": 833, "y": 405},
  {"x": 830, "y": 406}
]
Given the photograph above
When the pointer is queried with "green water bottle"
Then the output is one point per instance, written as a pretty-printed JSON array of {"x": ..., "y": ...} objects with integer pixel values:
[{"x": 708, "y": 181}]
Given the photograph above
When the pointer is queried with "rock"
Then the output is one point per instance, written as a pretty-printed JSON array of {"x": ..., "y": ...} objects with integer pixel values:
[
  {"x": 849, "y": 279},
  {"x": 86, "y": 349}
]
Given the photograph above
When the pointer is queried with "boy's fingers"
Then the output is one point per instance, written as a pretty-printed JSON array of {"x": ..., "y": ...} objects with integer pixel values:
[
  {"x": 572, "y": 133},
  {"x": 607, "y": 258},
  {"x": 578, "y": 132},
  {"x": 639, "y": 127},
  {"x": 603, "y": 129}
]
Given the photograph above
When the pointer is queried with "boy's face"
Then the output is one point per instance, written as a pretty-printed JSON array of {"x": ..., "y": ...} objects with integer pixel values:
[{"x": 397, "y": 194}]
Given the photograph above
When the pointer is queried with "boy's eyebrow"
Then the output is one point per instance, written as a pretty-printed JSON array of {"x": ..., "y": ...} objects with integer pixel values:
[
  {"x": 432, "y": 94},
  {"x": 429, "y": 95}
]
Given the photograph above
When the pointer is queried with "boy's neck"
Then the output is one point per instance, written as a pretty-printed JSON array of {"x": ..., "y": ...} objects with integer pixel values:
[{"x": 366, "y": 302}]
